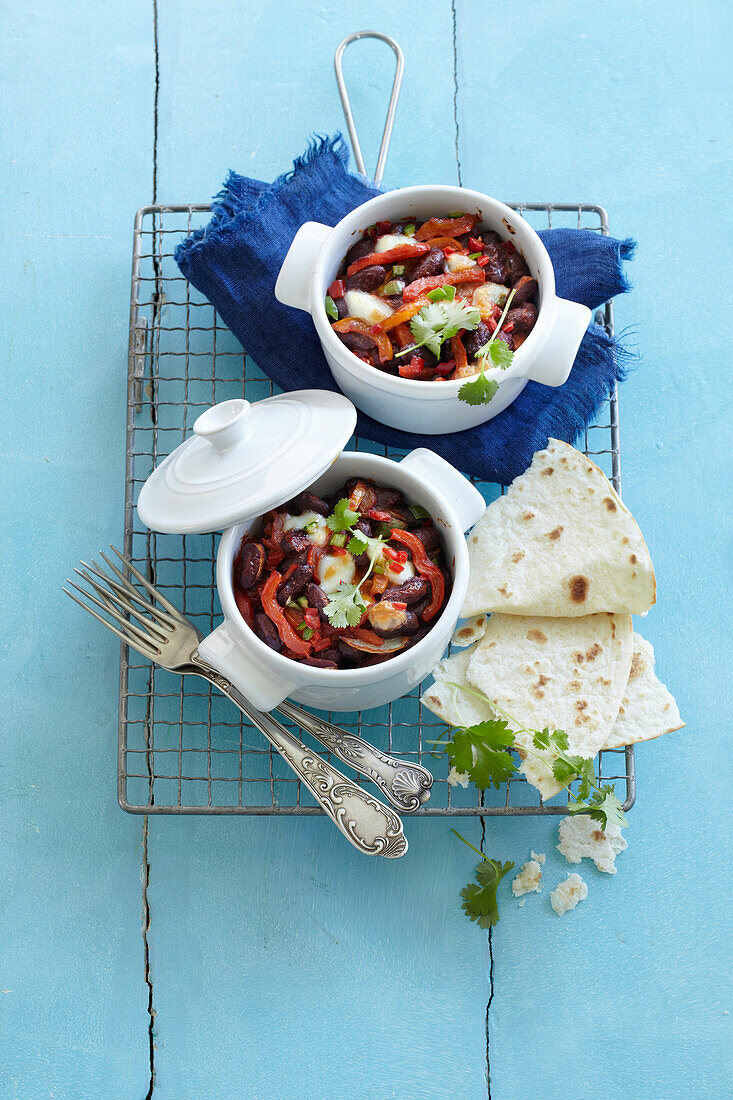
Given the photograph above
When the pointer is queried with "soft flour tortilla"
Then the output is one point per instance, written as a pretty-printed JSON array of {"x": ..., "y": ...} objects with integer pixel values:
[
  {"x": 564, "y": 674},
  {"x": 469, "y": 631},
  {"x": 454, "y": 705},
  {"x": 559, "y": 543},
  {"x": 647, "y": 709}
]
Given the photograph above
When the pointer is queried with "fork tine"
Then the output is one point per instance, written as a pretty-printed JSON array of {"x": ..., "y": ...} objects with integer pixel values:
[
  {"x": 126, "y": 624},
  {"x": 129, "y": 591},
  {"x": 111, "y": 598},
  {"x": 143, "y": 581},
  {"x": 132, "y": 642}
]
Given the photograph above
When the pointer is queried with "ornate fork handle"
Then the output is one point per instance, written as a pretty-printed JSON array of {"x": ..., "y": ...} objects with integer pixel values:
[
  {"x": 371, "y": 826},
  {"x": 405, "y": 784}
]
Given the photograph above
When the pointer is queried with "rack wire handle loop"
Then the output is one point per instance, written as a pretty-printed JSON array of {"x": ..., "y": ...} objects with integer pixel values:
[{"x": 346, "y": 104}]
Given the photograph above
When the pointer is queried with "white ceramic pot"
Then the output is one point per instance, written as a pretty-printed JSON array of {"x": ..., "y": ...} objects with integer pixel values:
[
  {"x": 433, "y": 408},
  {"x": 266, "y": 677}
]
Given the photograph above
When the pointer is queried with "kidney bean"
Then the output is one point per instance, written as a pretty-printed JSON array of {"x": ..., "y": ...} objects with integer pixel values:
[
  {"x": 409, "y": 592},
  {"x": 524, "y": 289},
  {"x": 319, "y": 662},
  {"x": 404, "y": 622},
  {"x": 251, "y": 564},
  {"x": 341, "y": 308},
  {"x": 293, "y": 542},
  {"x": 418, "y": 635},
  {"x": 430, "y": 264},
  {"x": 354, "y": 656},
  {"x": 362, "y": 247},
  {"x": 516, "y": 267},
  {"x": 491, "y": 238},
  {"x": 368, "y": 279},
  {"x": 364, "y": 526},
  {"x": 388, "y": 498},
  {"x": 429, "y": 537},
  {"x": 329, "y": 655},
  {"x": 472, "y": 341},
  {"x": 523, "y": 318},
  {"x": 308, "y": 502},
  {"x": 356, "y": 342},
  {"x": 265, "y": 630},
  {"x": 316, "y": 598},
  {"x": 294, "y": 585}
]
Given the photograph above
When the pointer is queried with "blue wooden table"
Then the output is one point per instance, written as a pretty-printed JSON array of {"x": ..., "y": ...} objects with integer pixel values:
[{"x": 263, "y": 958}]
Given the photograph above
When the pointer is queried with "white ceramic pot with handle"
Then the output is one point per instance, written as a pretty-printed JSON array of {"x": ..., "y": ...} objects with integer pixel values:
[
  {"x": 243, "y": 460},
  {"x": 431, "y": 408}
]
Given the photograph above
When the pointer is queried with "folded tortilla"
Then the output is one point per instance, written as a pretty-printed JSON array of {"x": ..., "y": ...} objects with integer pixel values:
[
  {"x": 647, "y": 710},
  {"x": 559, "y": 543}
]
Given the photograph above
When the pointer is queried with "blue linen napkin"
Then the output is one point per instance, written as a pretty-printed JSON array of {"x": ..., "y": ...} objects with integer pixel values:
[{"x": 234, "y": 261}]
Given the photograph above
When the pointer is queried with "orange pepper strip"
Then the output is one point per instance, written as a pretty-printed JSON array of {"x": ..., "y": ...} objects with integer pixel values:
[
  {"x": 404, "y": 335},
  {"x": 355, "y": 324},
  {"x": 422, "y": 286},
  {"x": 459, "y": 352},
  {"x": 426, "y": 568},
  {"x": 390, "y": 256},
  {"x": 272, "y": 609},
  {"x": 445, "y": 242},
  {"x": 451, "y": 227},
  {"x": 403, "y": 314}
]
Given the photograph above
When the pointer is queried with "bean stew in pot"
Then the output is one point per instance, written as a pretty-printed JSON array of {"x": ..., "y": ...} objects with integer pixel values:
[
  {"x": 433, "y": 300},
  {"x": 345, "y": 582}
]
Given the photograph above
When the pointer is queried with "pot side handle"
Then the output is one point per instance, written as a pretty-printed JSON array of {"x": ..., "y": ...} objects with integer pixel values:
[
  {"x": 556, "y": 359},
  {"x": 221, "y": 652},
  {"x": 463, "y": 497},
  {"x": 293, "y": 286}
]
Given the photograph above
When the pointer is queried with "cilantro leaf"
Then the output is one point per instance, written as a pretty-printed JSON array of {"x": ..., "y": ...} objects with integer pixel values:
[
  {"x": 498, "y": 352},
  {"x": 479, "y": 898},
  {"x": 342, "y": 518},
  {"x": 437, "y": 322},
  {"x": 480, "y": 751},
  {"x": 479, "y": 391},
  {"x": 345, "y": 607}
]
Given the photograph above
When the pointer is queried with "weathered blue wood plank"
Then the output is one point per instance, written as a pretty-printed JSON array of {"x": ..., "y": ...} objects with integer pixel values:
[
  {"x": 77, "y": 117},
  {"x": 621, "y": 105}
]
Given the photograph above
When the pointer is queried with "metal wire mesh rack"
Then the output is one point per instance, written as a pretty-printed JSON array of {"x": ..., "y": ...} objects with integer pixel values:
[{"x": 183, "y": 748}]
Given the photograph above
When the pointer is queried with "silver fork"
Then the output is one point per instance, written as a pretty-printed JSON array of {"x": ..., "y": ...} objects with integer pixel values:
[{"x": 159, "y": 632}]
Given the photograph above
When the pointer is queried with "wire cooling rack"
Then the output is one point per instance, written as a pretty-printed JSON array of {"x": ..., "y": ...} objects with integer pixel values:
[{"x": 183, "y": 747}]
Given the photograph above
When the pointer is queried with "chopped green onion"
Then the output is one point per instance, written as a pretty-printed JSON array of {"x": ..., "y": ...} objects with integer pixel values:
[
  {"x": 311, "y": 527},
  {"x": 394, "y": 286},
  {"x": 458, "y": 214},
  {"x": 419, "y": 512},
  {"x": 442, "y": 294},
  {"x": 331, "y": 308},
  {"x": 475, "y": 255},
  {"x": 307, "y": 633},
  {"x": 380, "y": 566},
  {"x": 302, "y": 601},
  {"x": 339, "y": 539},
  {"x": 291, "y": 603},
  {"x": 409, "y": 230},
  {"x": 398, "y": 269}
]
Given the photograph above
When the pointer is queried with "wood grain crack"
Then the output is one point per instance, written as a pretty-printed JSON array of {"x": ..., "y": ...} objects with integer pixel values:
[{"x": 454, "y": 16}]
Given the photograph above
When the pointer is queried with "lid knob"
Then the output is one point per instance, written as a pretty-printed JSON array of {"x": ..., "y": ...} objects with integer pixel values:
[{"x": 224, "y": 425}]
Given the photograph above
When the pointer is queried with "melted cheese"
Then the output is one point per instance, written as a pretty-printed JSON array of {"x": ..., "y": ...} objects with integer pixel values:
[
  {"x": 396, "y": 573},
  {"x": 334, "y": 570},
  {"x": 487, "y": 296},
  {"x": 458, "y": 262},
  {"x": 367, "y": 307},
  {"x": 318, "y": 536},
  {"x": 392, "y": 240}
]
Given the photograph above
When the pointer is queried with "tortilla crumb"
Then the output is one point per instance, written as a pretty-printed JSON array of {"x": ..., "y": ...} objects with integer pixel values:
[
  {"x": 567, "y": 895},
  {"x": 582, "y": 838},
  {"x": 528, "y": 880},
  {"x": 538, "y": 857}
]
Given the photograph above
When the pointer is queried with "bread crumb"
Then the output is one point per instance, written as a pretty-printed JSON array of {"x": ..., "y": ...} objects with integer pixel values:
[
  {"x": 529, "y": 879},
  {"x": 567, "y": 895},
  {"x": 582, "y": 837},
  {"x": 539, "y": 856}
]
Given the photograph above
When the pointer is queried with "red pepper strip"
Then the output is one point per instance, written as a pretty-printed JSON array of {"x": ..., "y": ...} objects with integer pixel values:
[
  {"x": 245, "y": 607},
  {"x": 403, "y": 335},
  {"x": 475, "y": 244},
  {"x": 426, "y": 568},
  {"x": 274, "y": 558},
  {"x": 273, "y": 540},
  {"x": 403, "y": 314},
  {"x": 445, "y": 242},
  {"x": 366, "y": 635},
  {"x": 336, "y": 289},
  {"x": 320, "y": 643},
  {"x": 355, "y": 324},
  {"x": 451, "y": 227},
  {"x": 415, "y": 368},
  {"x": 422, "y": 286},
  {"x": 390, "y": 256},
  {"x": 398, "y": 605},
  {"x": 379, "y": 516},
  {"x": 483, "y": 260},
  {"x": 459, "y": 352},
  {"x": 272, "y": 609},
  {"x": 443, "y": 369}
]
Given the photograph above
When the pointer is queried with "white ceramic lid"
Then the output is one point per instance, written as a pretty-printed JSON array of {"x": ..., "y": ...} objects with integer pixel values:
[{"x": 244, "y": 459}]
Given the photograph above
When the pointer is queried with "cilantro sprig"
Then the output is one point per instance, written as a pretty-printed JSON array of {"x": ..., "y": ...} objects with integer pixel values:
[
  {"x": 479, "y": 897},
  {"x": 482, "y": 752},
  {"x": 439, "y": 320},
  {"x": 346, "y": 606},
  {"x": 342, "y": 518},
  {"x": 494, "y": 353}
]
